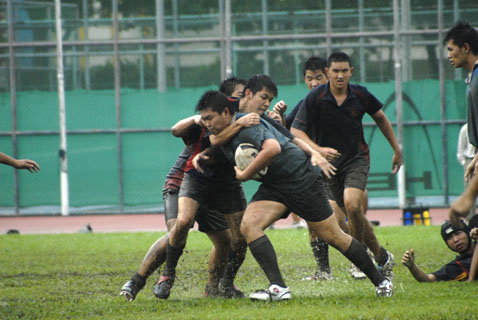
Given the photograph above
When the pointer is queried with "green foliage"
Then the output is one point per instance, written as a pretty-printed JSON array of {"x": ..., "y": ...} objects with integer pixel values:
[{"x": 79, "y": 276}]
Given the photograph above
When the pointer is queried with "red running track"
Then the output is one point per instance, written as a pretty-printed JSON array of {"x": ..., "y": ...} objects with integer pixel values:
[{"x": 155, "y": 222}]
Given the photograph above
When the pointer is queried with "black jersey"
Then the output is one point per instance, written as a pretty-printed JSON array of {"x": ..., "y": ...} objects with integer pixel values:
[
  {"x": 218, "y": 172},
  {"x": 457, "y": 269},
  {"x": 336, "y": 127}
]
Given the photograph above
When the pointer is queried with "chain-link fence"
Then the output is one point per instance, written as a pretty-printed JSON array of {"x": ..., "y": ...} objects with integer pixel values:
[{"x": 133, "y": 68}]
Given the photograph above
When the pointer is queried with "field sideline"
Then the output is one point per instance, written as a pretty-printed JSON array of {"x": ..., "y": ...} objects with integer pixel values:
[{"x": 78, "y": 276}]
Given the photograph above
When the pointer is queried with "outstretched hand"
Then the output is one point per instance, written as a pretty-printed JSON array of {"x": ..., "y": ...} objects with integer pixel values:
[
  {"x": 318, "y": 160},
  {"x": 27, "y": 164},
  {"x": 408, "y": 259},
  {"x": 196, "y": 161},
  {"x": 397, "y": 162},
  {"x": 330, "y": 154}
]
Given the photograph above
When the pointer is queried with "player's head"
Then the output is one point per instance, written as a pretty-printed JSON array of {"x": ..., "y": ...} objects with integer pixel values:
[
  {"x": 216, "y": 110},
  {"x": 314, "y": 73},
  {"x": 461, "y": 41},
  {"x": 233, "y": 87},
  {"x": 339, "y": 70},
  {"x": 456, "y": 237},
  {"x": 258, "y": 93}
]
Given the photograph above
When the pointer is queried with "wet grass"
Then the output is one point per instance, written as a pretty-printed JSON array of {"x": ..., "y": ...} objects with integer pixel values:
[{"x": 78, "y": 276}]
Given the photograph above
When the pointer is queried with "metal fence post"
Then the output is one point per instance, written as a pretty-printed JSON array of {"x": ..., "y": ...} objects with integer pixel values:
[
  {"x": 117, "y": 71},
  {"x": 13, "y": 100},
  {"x": 160, "y": 48},
  {"x": 265, "y": 31},
  {"x": 402, "y": 192},
  {"x": 228, "y": 31},
  {"x": 328, "y": 25},
  {"x": 64, "y": 185},
  {"x": 441, "y": 73}
]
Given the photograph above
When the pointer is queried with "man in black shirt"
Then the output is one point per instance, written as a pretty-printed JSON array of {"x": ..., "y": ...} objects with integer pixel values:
[{"x": 331, "y": 117}]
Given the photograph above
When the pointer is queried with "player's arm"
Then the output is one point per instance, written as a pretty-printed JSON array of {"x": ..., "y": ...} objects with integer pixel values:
[
  {"x": 471, "y": 169},
  {"x": 386, "y": 127},
  {"x": 316, "y": 158},
  {"x": 182, "y": 127},
  {"x": 408, "y": 260},
  {"x": 330, "y": 154},
  {"x": 27, "y": 164},
  {"x": 249, "y": 120},
  {"x": 461, "y": 206},
  {"x": 474, "y": 262},
  {"x": 270, "y": 148}
]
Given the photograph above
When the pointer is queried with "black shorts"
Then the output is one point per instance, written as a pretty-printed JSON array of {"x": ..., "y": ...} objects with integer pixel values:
[
  {"x": 225, "y": 200},
  {"x": 208, "y": 220},
  {"x": 353, "y": 175},
  {"x": 311, "y": 204}
]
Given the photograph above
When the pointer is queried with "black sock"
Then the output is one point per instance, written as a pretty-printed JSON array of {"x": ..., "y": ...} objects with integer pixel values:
[
  {"x": 320, "y": 248},
  {"x": 359, "y": 256},
  {"x": 139, "y": 280},
  {"x": 383, "y": 256},
  {"x": 234, "y": 262},
  {"x": 172, "y": 257},
  {"x": 264, "y": 253}
]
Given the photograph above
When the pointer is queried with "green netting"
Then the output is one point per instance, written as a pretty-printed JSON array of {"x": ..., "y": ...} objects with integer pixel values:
[{"x": 147, "y": 156}]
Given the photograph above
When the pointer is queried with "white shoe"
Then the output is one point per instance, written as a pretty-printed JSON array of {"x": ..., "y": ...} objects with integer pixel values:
[
  {"x": 274, "y": 293},
  {"x": 356, "y": 273},
  {"x": 384, "y": 289}
]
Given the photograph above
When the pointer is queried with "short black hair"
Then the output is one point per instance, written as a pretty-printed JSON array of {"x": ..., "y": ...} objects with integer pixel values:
[
  {"x": 229, "y": 85},
  {"x": 314, "y": 63},
  {"x": 338, "y": 57},
  {"x": 216, "y": 101},
  {"x": 462, "y": 32},
  {"x": 260, "y": 81}
]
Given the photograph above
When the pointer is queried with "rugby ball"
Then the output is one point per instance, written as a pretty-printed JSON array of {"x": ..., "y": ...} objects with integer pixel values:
[{"x": 245, "y": 153}]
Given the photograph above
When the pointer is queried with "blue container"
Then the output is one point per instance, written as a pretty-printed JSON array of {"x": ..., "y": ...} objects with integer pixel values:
[{"x": 407, "y": 218}]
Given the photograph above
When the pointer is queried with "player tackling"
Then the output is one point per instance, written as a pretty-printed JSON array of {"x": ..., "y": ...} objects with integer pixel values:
[{"x": 291, "y": 183}]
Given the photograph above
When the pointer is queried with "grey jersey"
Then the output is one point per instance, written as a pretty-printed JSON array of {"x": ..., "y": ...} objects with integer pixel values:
[{"x": 290, "y": 170}]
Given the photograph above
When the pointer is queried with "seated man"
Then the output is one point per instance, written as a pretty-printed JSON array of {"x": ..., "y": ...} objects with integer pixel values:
[{"x": 457, "y": 239}]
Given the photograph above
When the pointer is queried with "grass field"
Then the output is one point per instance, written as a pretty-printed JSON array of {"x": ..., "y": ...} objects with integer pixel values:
[{"x": 78, "y": 276}]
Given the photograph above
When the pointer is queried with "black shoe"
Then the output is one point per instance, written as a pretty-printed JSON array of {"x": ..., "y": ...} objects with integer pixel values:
[
  {"x": 162, "y": 289},
  {"x": 210, "y": 292},
  {"x": 130, "y": 290},
  {"x": 230, "y": 292}
]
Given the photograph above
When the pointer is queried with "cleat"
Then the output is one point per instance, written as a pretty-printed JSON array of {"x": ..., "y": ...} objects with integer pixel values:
[
  {"x": 356, "y": 273},
  {"x": 210, "y": 292},
  {"x": 162, "y": 289},
  {"x": 319, "y": 275},
  {"x": 230, "y": 292},
  {"x": 274, "y": 293},
  {"x": 384, "y": 289},
  {"x": 130, "y": 290},
  {"x": 299, "y": 225},
  {"x": 387, "y": 269}
]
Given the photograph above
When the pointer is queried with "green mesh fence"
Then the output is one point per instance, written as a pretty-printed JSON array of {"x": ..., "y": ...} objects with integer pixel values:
[{"x": 147, "y": 156}]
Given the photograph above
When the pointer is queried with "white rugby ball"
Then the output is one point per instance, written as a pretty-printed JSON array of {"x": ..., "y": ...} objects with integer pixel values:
[{"x": 245, "y": 153}]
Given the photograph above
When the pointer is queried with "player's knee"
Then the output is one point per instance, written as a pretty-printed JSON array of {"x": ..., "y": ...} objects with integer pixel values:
[
  {"x": 183, "y": 223},
  {"x": 354, "y": 209}
]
